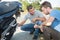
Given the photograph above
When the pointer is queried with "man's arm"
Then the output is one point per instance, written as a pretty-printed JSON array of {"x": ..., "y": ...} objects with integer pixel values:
[
  {"x": 49, "y": 21},
  {"x": 21, "y": 23},
  {"x": 39, "y": 19}
]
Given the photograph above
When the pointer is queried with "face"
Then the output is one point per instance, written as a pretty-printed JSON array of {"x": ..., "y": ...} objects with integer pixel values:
[
  {"x": 45, "y": 10},
  {"x": 31, "y": 11}
]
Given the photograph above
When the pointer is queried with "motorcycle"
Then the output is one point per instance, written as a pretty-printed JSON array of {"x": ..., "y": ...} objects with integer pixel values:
[{"x": 8, "y": 23}]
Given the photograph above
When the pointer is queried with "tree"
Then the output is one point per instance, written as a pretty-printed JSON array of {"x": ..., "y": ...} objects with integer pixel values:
[{"x": 35, "y": 4}]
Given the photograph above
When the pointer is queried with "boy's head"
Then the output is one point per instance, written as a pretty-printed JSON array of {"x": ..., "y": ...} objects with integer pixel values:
[
  {"x": 31, "y": 9},
  {"x": 46, "y": 7}
]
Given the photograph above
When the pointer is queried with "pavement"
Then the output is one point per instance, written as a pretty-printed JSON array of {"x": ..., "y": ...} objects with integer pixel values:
[{"x": 23, "y": 35}]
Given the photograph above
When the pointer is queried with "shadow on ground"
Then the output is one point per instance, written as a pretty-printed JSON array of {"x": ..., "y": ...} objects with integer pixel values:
[{"x": 22, "y": 36}]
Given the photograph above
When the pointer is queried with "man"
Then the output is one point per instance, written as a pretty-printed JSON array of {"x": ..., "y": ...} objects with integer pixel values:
[
  {"x": 53, "y": 21},
  {"x": 34, "y": 16}
]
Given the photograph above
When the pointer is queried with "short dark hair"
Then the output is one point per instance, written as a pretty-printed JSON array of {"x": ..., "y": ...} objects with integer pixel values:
[
  {"x": 46, "y": 4},
  {"x": 29, "y": 7}
]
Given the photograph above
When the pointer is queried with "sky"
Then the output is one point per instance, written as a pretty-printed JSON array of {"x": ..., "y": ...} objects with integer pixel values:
[{"x": 55, "y": 3}]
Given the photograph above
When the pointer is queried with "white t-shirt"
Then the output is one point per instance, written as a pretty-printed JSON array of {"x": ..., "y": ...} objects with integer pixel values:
[{"x": 46, "y": 16}]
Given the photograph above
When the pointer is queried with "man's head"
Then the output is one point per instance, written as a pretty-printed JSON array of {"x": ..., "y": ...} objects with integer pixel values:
[
  {"x": 46, "y": 7},
  {"x": 31, "y": 9}
]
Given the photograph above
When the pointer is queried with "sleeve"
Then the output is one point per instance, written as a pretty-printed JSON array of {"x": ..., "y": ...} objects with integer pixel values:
[
  {"x": 26, "y": 17},
  {"x": 40, "y": 14},
  {"x": 55, "y": 14}
]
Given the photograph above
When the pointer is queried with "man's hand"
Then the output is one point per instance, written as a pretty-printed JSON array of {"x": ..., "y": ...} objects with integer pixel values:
[
  {"x": 34, "y": 20},
  {"x": 19, "y": 25},
  {"x": 41, "y": 28},
  {"x": 49, "y": 21},
  {"x": 46, "y": 23},
  {"x": 36, "y": 26}
]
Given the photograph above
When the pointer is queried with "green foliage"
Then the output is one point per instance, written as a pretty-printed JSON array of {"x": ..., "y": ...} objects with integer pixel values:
[
  {"x": 36, "y": 5},
  {"x": 57, "y": 8},
  {"x": 25, "y": 4}
]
